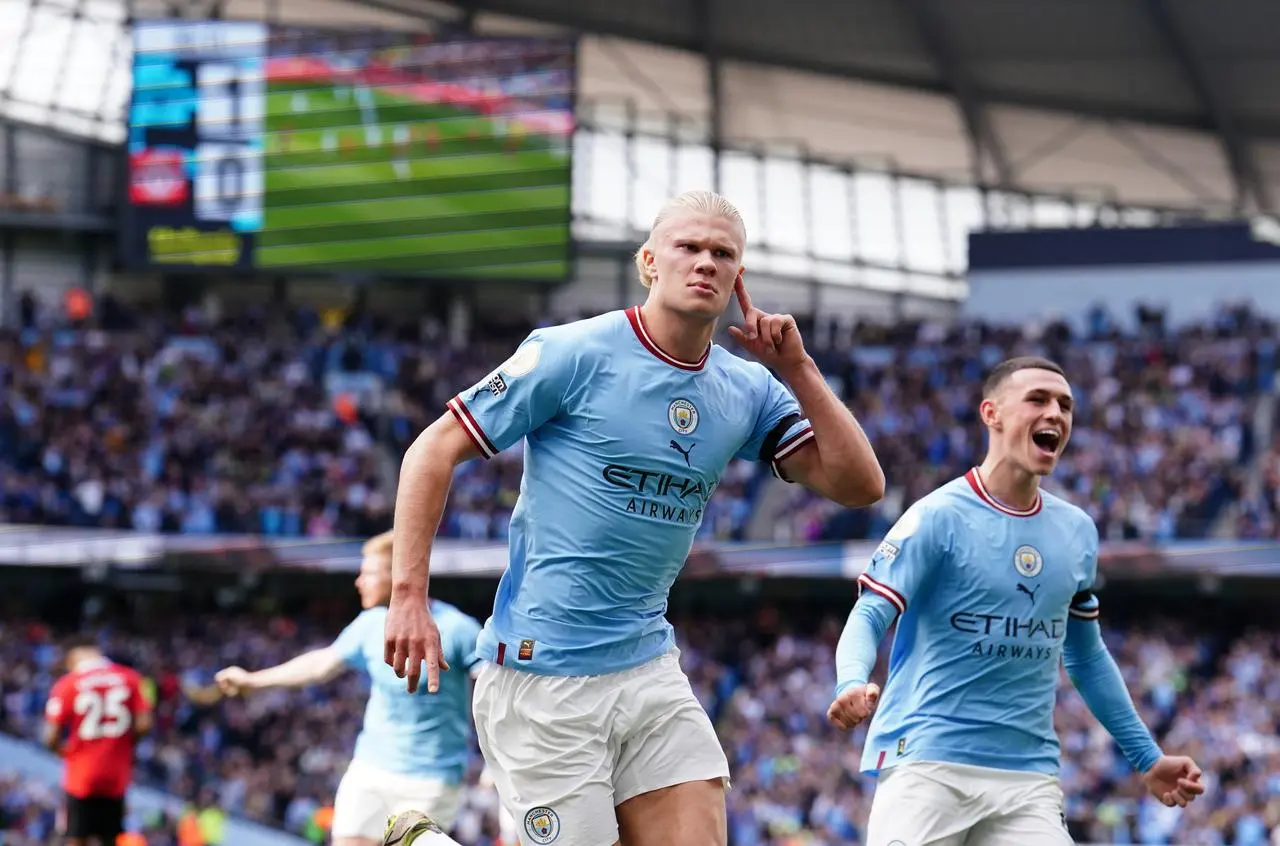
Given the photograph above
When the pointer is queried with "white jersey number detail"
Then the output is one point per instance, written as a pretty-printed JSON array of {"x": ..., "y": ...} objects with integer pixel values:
[{"x": 103, "y": 713}]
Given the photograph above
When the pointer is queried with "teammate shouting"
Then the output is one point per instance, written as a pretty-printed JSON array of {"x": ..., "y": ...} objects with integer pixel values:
[{"x": 991, "y": 581}]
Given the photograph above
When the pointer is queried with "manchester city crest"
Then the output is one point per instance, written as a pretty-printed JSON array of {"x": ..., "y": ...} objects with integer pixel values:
[
  {"x": 683, "y": 416},
  {"x": 542, "y": 825},
  {"x": 1028, "y": 561}
]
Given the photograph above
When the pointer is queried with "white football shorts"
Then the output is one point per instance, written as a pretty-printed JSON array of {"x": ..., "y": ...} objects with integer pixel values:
[
  {"x": 564, "y": 751},
  {"x": 925, "y": 803},
  {"x": 367, "y": 796}
]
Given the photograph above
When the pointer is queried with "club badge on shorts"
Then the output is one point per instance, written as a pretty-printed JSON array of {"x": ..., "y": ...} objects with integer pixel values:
[{"x": 542, "y": 825}]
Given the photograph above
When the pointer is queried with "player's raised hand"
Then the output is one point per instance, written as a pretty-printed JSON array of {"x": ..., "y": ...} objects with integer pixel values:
[
  {"x": 233, "y": 681},
  {"x": 853, "y": 706},
  {"x": 1174, "y": 780},
  {"x": 412, "y": 639},
  {"x": 772, "y": 338}
]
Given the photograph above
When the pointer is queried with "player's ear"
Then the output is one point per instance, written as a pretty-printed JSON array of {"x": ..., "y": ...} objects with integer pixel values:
[
  {"x": 649, "y": 257},
  {"x": 989, "y": 413}
]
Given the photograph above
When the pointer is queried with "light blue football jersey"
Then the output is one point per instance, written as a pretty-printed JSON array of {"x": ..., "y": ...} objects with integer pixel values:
[
  {"x": 624, "y": 444},
  {"x": 418, "y": 734},
  {"x": 984, "y": 593}
]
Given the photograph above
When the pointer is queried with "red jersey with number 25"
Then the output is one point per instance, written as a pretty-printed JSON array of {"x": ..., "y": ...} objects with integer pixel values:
[{"x": 97, "y": 706}]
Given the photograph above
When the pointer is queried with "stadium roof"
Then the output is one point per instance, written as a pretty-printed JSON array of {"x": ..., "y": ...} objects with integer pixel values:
[
  {"x": 1158, "y": 102},
  {"x": 1199, "y": 72}
]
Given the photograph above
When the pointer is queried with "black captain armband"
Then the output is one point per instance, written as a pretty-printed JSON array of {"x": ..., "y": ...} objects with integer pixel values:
[
  {"x": 1084, "y": 606},
  {"x": 771, "y": 441}
]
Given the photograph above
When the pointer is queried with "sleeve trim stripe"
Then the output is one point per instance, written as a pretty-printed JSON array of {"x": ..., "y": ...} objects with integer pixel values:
[
  {"x": 895, "y": 599},
  {"x": 787, "y": 449},
  {"x": 471, "y": 427},
  {"x": 793, "y": 443},
  {"x": 1084, "y": 613}
]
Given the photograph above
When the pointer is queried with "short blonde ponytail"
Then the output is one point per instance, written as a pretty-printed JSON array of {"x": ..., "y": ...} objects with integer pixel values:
[{"x": 699, "y": 202}]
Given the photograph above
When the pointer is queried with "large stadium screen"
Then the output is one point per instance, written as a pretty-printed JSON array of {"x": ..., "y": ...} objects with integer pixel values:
[{"x": 266, "y": 148}]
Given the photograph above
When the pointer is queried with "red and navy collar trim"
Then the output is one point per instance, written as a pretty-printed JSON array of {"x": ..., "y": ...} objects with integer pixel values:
[
  {"x": 646, "y": 340},
  {"x": 974, "y": 478}
]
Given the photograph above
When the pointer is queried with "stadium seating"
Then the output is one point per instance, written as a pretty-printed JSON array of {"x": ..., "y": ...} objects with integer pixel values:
[
  {"x": 178, "y": 423},
  {"x": 29, "y": 812},
  {"x": 1167, "y": 415},
  {"x": 300, "y": 432},
  {"x": 276, "y": 757}
]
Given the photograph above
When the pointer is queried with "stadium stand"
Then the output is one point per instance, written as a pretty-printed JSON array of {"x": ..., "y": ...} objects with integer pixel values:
[
  {"x": 1208, "y": 684},
  {"x": 244, "y": 436}
]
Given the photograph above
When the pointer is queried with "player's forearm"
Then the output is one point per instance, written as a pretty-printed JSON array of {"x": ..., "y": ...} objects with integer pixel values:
[
  {"x": 860, "y": 641},
  {"x": 1094, "y": 673},
  {"x": 845, "y": 454},
  {"x": 308, "y": 668},
  {"x": 425, "y": 476}
]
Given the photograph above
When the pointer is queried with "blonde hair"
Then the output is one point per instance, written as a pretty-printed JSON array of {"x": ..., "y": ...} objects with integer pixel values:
[
  {"x": 698, "y": 202},
  {"x": 378, "y": 544}
]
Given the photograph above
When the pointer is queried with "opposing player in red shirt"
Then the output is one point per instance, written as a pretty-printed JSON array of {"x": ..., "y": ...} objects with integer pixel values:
[{"x": 94, "y": 716}]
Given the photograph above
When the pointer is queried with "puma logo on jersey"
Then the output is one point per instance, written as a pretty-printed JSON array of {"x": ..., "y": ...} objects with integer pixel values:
[
  {"x": 1031, "y": 594},
  {"x": 684, "y": 453}
]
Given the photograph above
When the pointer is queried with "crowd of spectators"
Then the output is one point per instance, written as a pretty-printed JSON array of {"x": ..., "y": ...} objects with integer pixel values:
[
  {"x": 1161, "y": 448},
  {"x": 30, "y": 812},
  {"x": 290, "y": 421},
  {"x": 164, "y": 422},
  {"x": 766, "y": 680},
  {"x": 1163, "y": 423}
]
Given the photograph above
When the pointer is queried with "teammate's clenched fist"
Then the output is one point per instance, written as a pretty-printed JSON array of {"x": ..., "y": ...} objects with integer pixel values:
[
  {"x": 854, "y": 705},
  {"x": 234, "y": 681}
]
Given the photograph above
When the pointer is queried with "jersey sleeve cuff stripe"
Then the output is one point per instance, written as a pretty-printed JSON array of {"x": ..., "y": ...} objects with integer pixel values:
[
  {"x": 793, "y": 443},
  {"x": 788, "y": 448},
  {"x": 471, "y": 427},
  {"x": 1084, "y": 613},
  {"x": 895, "y": 599}
]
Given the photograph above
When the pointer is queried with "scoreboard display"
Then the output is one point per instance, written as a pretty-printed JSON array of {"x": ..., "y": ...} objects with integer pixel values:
[{"x": 256, "y": 147}]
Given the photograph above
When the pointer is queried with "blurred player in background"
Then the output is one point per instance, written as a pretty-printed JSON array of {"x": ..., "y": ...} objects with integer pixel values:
[
  {"x": 589, "y": 726},
  {"x": 991, "y": 581},
  {"x": 402, "y": 151},
  {"x": 412, "y": 751},
  {"x": 93, "y": 719}
]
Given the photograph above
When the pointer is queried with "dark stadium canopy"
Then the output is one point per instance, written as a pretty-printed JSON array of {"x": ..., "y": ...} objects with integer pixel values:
[
  {"x": 1163, "y": 102},
  {"x": 1184, "y": 64}
]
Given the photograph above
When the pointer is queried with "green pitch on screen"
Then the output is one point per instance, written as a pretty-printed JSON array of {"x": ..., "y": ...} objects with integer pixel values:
[{"x": 371, "y": 181}]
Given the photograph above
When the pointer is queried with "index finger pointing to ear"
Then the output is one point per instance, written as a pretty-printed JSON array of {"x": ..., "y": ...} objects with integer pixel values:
[{"x": 744, "y": 299}]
